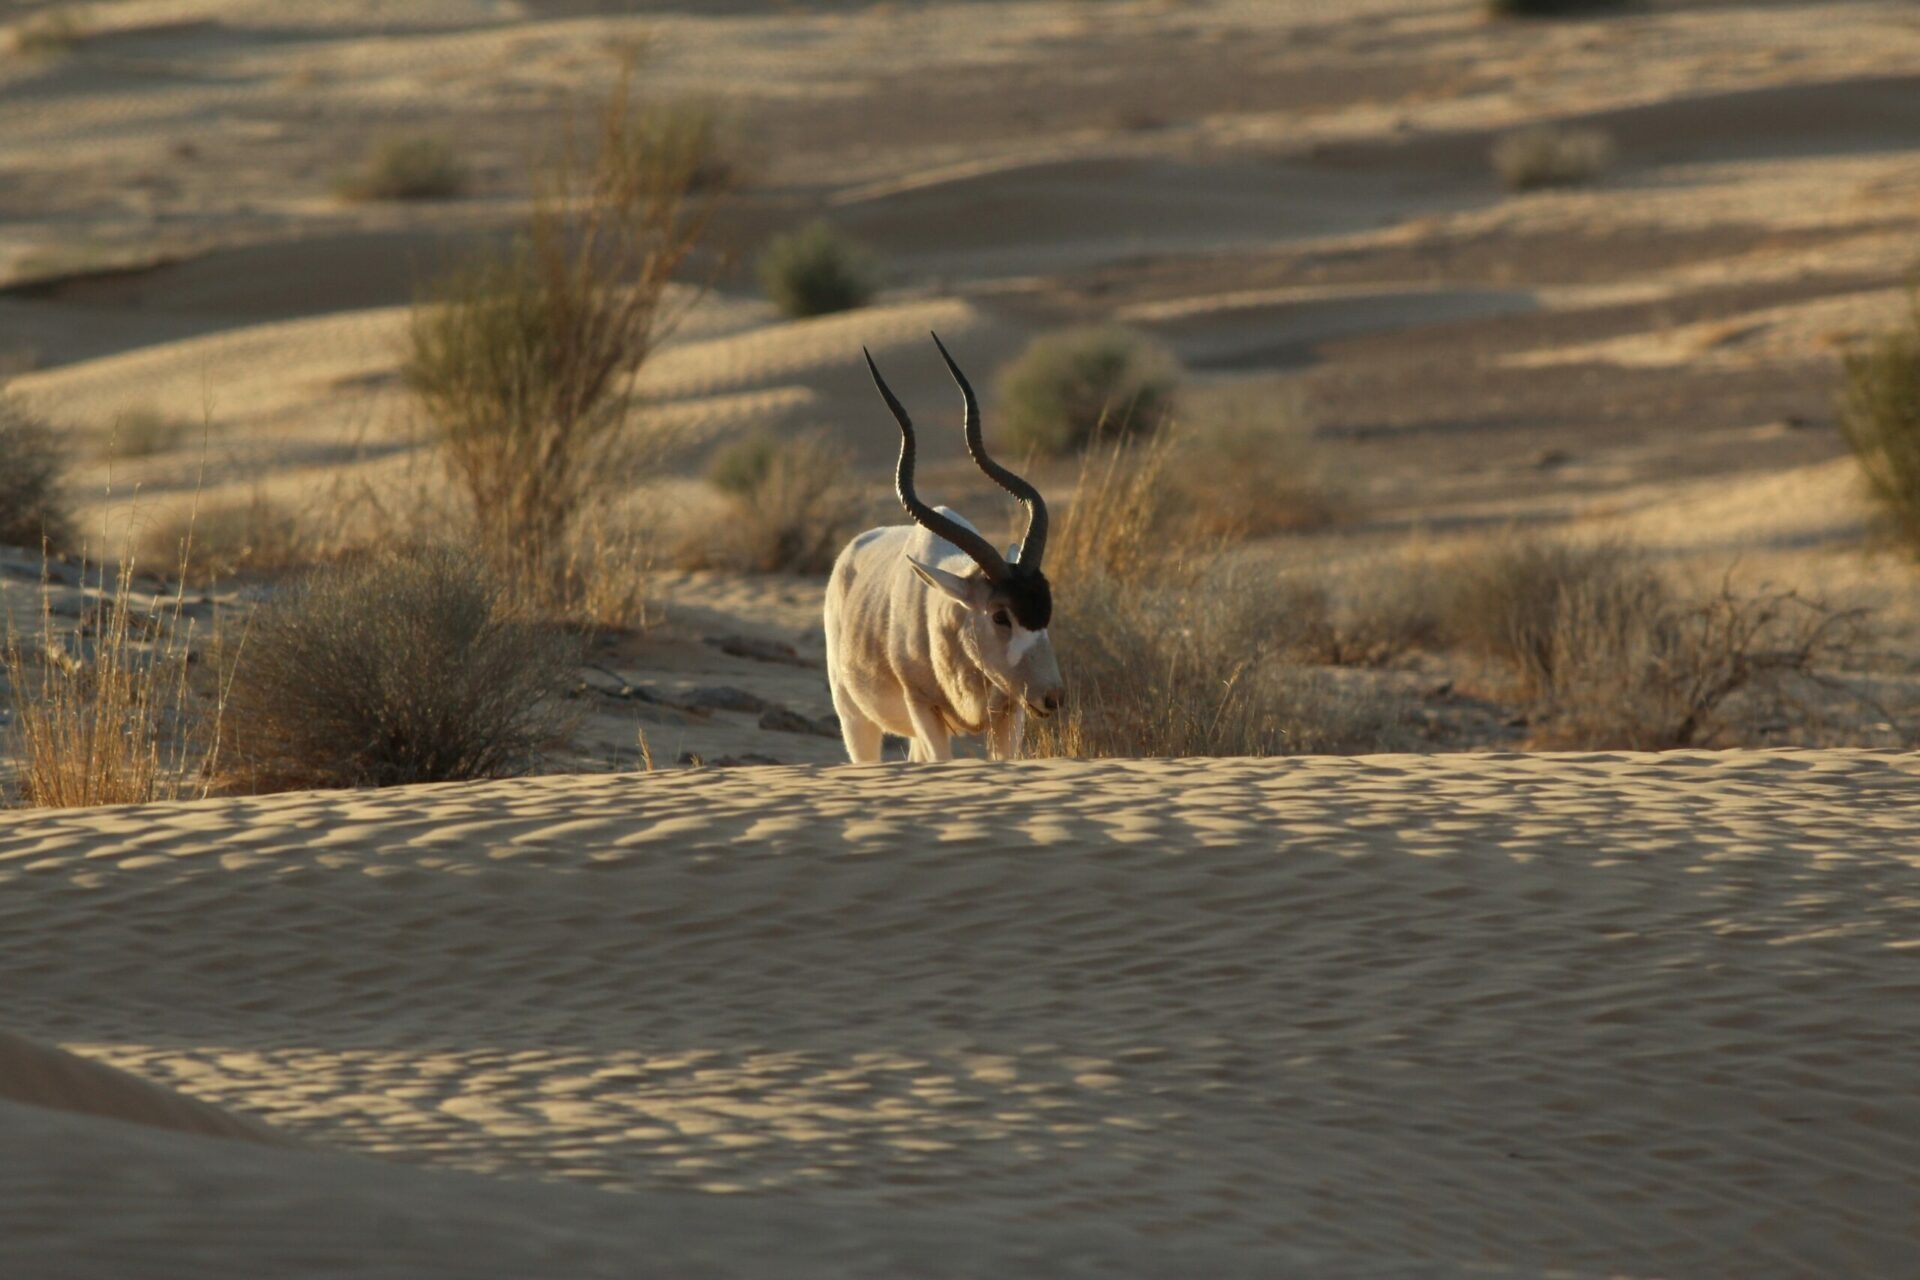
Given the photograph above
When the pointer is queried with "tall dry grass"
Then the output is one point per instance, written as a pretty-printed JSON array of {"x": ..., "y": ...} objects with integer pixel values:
[
  {"x": 786, "y": 507},
  {"x": 107, "y": 713},
  {"x": 1168, "y": 647},
  {"x": 524, "y": 359}
]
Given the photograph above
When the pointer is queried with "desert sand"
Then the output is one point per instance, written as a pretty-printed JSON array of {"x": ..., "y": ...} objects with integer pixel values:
[
  {"x": 1492, "y": 1014},
  {"x": 1570, "y": 1015}
]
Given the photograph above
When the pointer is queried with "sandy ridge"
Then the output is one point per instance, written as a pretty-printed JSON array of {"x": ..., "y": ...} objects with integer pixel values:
[{"x": 1627, "y": 1014}]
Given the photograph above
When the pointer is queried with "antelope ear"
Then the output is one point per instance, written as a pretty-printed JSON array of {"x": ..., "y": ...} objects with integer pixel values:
[
  {"x": 970, "y": 591},
  {"x": 1013, "y": 554}
]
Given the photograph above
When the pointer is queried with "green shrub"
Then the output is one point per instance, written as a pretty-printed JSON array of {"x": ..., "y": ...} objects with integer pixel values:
[
  {"x": 1880, "y": 417},
  {"x": 33, "y": 508},
  {"x": 1068, "y": 388},
  {"x": 524, "y": 358},
  {"x": 816, "y": 271},
  {"x": 410, "y": 668},
  {"x": 411, "y": 168},
  {"x": 1551, "y": 156}
]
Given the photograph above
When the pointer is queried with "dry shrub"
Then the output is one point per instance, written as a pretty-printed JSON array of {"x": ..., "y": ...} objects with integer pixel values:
[
  {"x": 1551, "y": 156},
  {"x": 254, "y": 536},
  {"x": 1880, "y": 417},
  {"x": 56, "y": 29},
  {"x": 105, "y": 713},
  {"x": 410, "y": 668},
  {"x": 1609, "y": 654},
  {"x": 817, "y": 271},
  {"x": 1168, "y": 651},
  {"x": 787, "y": 507},
  {"x": 1503, "y": 600},
  {"x": 410, "y": 168},
  {"x": 142, "y": 433},
  {"x": 1249, "y": 469},
  {"x": 524, "y": 358},
  {"x": 1646, "y": 671},
  {"x": 1069, "y": 389},
  {"x": 33, "y": 507}
]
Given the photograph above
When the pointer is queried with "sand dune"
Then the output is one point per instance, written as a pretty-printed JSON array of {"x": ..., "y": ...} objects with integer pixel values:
[{"x": 1625, "y": 1015}]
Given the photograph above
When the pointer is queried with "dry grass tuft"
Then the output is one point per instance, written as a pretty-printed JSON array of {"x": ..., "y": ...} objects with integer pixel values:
[
  {"x": 105, "y": 713},
  {"x": 143, "y": 433},
  {"x": 255, "y": 536},
  {"x": 33, "y": 507},
  {"x": 1068, "y": 389},
  {"x": 787, "y": 508},
  {"x": 1167, "y": 650},
  {"x": 817, "y": 271},
  {"x": 55, "y": 30},
  {"x": 1504, "y": 599},
  {"x": 524, "y": 359},
  {"x": 1880, "y": 417},
  {"x": 409, "y": 168},
  {"x": 1248, "y": 468},
  {"x": 1551, "y": 156},
  {"x": 412, "y": 668}
]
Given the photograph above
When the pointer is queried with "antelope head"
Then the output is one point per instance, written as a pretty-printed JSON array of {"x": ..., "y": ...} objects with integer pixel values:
[{"x": 1005, "y": 602}]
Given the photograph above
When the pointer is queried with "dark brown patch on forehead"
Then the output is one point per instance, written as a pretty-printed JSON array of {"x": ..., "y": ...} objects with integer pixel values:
[{"x": 1029, "y": 598}]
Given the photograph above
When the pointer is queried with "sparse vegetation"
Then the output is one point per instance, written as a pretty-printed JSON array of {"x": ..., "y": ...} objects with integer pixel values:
[
  {"x": 105, "y": 713},
  {"x": 54, "y": 30},
  {"x": 1553, "y": 8},
  {"x": 1551, "y": 156},
  {"x": 1249, "y": 469},
  {"x": 788, "y": 507},
  {"x": 816, "y": 271},
  {"x": 1880, "y": 417},
  {"x": 255, "y": 535},
  {"x": 524, "y": 359},
  {"x": 142, "y": 433},
  {"x": 1169, "y": 652},
  {"x": 406, "y": 668},
  {"x": 408, "y": 168},
  {"x": 33, "y": 508},
  {"x": 1068, "y": 389}
]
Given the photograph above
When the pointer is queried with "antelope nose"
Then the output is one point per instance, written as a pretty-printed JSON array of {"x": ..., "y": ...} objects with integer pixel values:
[{"x": 1052, "y": 700}]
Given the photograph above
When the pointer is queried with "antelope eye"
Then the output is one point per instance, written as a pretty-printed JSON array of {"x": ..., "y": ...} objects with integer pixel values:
[{"x": 1000, "y": 618}]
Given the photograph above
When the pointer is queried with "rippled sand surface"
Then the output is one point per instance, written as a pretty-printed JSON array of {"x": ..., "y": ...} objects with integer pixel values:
[{"x": 1607, "y": 1015}]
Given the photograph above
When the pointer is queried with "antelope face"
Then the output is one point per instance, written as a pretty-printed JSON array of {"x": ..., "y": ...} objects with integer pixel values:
[{"x": 1004, "y": 631}]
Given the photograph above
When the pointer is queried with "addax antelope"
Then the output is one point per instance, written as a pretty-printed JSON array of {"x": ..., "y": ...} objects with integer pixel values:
[{"x": 930, "y": 632}]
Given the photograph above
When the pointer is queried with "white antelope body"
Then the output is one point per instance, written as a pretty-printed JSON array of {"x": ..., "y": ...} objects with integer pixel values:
[{"x": 930, "y": 632}]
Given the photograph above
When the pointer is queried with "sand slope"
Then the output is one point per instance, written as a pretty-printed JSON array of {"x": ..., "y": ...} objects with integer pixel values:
[{"x": 1612, "y": 1014}]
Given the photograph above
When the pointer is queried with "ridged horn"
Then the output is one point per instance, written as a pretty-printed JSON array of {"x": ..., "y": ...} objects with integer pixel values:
[
  {"x": 978, "y": 548},
  {"x": 1033, "y": 544}
]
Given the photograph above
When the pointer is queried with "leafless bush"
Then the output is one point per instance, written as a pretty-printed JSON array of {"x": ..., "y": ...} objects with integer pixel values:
[
  {"x": 1551, "y": 156},
  {"x": 410, "y": 668},
  {"x": 787, "y": 508},
  {"x": 524, "y": 359},
  {"x": 105, "y": 713},
  {"x": 33, "y": 508},
  {"x": 1646, "y": 671}
]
